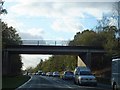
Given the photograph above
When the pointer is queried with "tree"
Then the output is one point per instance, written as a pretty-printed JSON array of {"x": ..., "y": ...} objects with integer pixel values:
[
  {"x": 110, "y": 39},
  {"x": 11, "y": 37},
  {"x": 116, "y": 15},
  {"x": 59, "y": 63},
  {"x": 86, "y": 38},
  {"x": 111, "y": 19},
  {"x": 2, "y": 10},
  {"x": 29, "y": 69},
  {"x": 39, "y": 66}
]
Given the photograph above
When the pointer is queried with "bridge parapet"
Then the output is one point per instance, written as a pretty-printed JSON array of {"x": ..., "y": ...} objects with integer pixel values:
[{"x": 46, "y": 42}]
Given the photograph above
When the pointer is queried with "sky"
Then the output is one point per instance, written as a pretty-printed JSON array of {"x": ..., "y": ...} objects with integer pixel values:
[{"x": 53, "y": 20}]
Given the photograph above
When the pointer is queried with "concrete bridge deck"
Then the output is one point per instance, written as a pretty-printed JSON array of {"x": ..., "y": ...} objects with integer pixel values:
[{"x": 47, "y": 49}]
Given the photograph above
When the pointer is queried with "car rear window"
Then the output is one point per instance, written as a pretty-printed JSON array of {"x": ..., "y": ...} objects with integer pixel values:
[{"x": 69, "y": 73}]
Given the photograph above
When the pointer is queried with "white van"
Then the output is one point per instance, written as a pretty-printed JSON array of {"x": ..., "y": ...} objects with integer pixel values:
[
  {"x": 115, "y": 80},
  {"x": 83, "y": 76}
]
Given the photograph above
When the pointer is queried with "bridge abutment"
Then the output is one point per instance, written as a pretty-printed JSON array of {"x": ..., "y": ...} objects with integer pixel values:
[
  {"x": 80, "y": 62},
  {"x": 84, "y": 60},
  {"x": 88, "y": 59}
]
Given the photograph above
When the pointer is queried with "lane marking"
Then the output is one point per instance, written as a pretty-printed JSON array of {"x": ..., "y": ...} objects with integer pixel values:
[
  {"x": 49, "y": 79},
  {"x": 24, "y": 83},
  {"x": 59, "y": 82}
]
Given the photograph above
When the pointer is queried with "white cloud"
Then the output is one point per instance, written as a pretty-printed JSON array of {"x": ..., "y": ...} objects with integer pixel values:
[
  {"x": 33, "y": 31},
  {"x": 32, "y": 34},
  {"x": 67, "y": 25},
  {"x": 11, "y": 21},
  {"x": 113, "y": 21},
  {"x": 32, "y": 60},
  {"x": 58, "y": 9},
  {"x": 75, "y": 12},
  {"x": 30, "y": 9},
  {"x": 63, "y": 0},
  {"x": 94, "y": 12},
  {"x": 64, "y": 14},
  {"x": 27, "y": 36}
]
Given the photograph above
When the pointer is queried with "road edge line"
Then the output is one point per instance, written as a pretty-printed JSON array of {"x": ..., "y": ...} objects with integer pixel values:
[{"x": 24, "y": 83}]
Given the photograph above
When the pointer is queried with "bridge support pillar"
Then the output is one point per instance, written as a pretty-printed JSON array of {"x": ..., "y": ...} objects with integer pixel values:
[
  {"x": 88, "y": 59},
  {"x": 5, "y": 62}
]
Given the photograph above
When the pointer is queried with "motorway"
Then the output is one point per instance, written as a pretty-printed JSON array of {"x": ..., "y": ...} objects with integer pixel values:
[{"x": 38, "y": 82}]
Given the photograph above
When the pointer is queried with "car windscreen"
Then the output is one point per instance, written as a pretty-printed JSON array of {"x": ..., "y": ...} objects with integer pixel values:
[
  {"x": 69, "y": 73},
  {"x": 56, "y": 73},
  {"x": 85, "y": 73}
]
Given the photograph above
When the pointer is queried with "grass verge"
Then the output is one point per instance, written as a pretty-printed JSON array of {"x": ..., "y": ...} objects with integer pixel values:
[
  {"x": 13, "y": 82},
  {"x": 104, "y": 80}
]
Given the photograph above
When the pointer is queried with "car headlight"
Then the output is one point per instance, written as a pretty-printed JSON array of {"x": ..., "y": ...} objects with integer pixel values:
[
  {"x": 81, "y": 78},
  {"x": 94, "y": 79}
]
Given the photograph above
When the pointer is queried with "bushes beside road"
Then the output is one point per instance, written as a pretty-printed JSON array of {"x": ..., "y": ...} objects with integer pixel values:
[
  {"x": 103, "y": 76},
  {"x": 104, "y": 80},
  {"x": 14, "y": 82}
]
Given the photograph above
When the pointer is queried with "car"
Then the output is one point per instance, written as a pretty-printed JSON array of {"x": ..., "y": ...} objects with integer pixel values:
[
  {"x": 43, "y": 74},
  {"x": 83, "y": 76},
  {"x": 29, "y": 73},
  {"x": 56, "y": 74},
  {"x": 49, "y": 74},
  {"x": 39, "y": 72},
  {"x": 68, "y": 75},
  {"x": 115, "y": 80}
]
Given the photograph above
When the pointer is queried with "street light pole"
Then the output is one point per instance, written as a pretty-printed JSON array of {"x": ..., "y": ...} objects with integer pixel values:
[
  {"x": 119, "y": 18},
  {"x": 119, "y": 24}
]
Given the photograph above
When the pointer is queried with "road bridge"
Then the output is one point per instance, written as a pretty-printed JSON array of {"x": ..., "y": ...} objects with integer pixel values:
[
  {"x": 48, "y": 49},
  {"x": 80, "y": 51}
]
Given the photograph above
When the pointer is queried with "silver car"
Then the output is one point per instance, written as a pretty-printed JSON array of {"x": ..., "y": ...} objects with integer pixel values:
[
  {"x": 68, "y": 75},
  {"x": 56, "y": 74},
  {"x": 83, "y": 76},
  {"x": 49, "y": 74},
  {"x": 115, "y": 81}
]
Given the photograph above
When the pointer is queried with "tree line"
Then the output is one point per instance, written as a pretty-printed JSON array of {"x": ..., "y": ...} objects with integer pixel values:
[
  {"x": 105, "y": 38},
  {"x": 104, "y": 35},
  {"x": 10, "y": 37}
]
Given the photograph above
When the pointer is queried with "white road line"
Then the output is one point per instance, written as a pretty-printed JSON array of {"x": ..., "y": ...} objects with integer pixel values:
[
  {"x": 58, "y": 81},
  {"x": 65, "y": 84},
  {"x": 25, "y": 83}
]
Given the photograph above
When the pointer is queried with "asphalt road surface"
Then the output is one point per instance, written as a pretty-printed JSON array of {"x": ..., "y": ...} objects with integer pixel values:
[{"x": 38, "y": 82}]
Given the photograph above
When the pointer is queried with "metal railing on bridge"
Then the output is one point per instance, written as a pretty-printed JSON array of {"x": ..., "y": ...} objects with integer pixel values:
[{"x": 46, "y": 42}]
